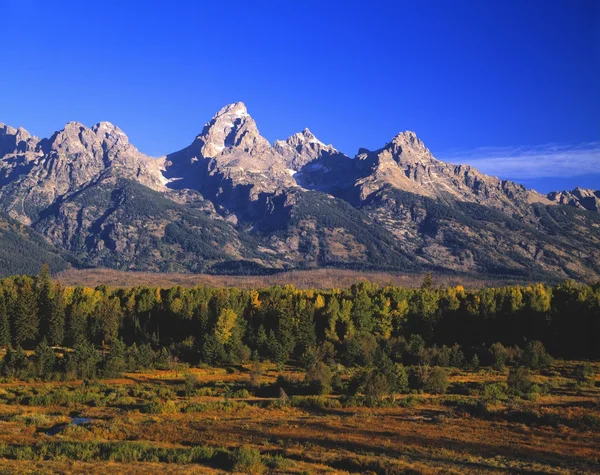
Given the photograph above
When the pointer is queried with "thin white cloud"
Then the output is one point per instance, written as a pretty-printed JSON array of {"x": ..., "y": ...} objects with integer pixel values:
[{"x": 544, "y": 161}]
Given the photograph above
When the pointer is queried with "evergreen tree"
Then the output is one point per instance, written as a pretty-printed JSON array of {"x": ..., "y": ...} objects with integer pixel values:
[
  {"x": 44, "y": 289},
  {"x": 85, "y": 359},
  {"x": 164, "y": 359},
  {"x": 56, "y": 325},
  {"x": 116, "y": 362},
  {"x": 4, "y": 324},
  {"x": 145, "y": 357},
  {"x": 106, "y": 320},
  {"x": 362, "y": 311},
  {"x": 428, "y": 283},
  {"x": 26, "y": 315},
  {"x": 14, "y": 363},
  {"x": 44, "y": 360},
  {"x": 76, "y": 325}
]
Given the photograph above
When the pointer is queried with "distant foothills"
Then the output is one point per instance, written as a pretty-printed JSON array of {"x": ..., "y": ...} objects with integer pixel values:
[{"x": 233, "y": 203}]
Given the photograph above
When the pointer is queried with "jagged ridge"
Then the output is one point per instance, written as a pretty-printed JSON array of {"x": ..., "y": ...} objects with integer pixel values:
[{"x": 231, "y": 200}]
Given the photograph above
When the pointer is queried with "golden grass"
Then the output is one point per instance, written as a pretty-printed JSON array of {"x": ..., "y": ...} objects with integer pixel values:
[
  {"x": 302, "y": 279},
  {"x": 425, "y": 438}
]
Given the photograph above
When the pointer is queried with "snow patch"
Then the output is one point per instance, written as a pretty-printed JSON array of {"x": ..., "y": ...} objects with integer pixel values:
[{"x": 165, "y": 181}]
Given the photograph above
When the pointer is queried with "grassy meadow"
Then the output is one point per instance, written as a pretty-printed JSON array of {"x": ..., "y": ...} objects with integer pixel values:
[{"x": 236, "y": 419}]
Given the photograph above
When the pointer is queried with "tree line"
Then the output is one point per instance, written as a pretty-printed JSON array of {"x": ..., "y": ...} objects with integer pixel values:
[{"x": 147, "y": 326}]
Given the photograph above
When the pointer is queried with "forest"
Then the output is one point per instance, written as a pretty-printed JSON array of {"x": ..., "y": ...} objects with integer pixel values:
[
  {"x": 363, "y": 379},
  {"x": 103, "y": 331}
]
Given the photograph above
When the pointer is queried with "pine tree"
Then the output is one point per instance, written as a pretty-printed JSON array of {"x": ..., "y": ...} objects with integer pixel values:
[
  {"x": 76, "y": 326},
  {"x": 115, "y": 363},
  {"x": 26, "y": 315},
  {"x": 85, "y": 359},
  {"x": 44, "y": 360},
  {"x": 428, "y": 282},
  {"x": 56, "y": 324},
  {"x": 108, "y": 316},
  {"x": 14, "y": 363},
  {"x": 44, "y": 289},
  {"x": 146, "y": 357},
  {"x": 4, "y": 324},
  {"x": 362, "y": 312}
]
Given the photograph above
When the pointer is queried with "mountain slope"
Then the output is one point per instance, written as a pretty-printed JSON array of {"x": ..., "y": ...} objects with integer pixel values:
[
  {"x": 554, "y": 243},
  {"x": 37, "y": 173},
  {"x": 232, "y": 202},
  {"x": 23, "y": 251},
  {"x": 581, "y": 198}
]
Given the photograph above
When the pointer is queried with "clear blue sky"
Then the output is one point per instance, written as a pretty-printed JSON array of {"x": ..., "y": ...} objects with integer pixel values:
[{"x": 465, "y": 76}]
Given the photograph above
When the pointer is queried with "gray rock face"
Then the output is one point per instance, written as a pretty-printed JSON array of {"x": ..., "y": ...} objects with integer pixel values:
[
  {"x": 302, "y": 148},
  {"x": 229, "y": 160},
  {"x": 406, "y": 164},
  {"x": 37, "y": 173},
  {"x": 231, "y": 202},
  {"x": 581, "y": 198}
]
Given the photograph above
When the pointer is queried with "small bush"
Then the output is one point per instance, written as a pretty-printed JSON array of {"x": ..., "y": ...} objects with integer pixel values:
[
  {"x": 241, "y": 394},
  {"x": 278, "y": 462},
  {"x": 535, "y": 355},
  {"x": 584, "y": 372},
  {"x": 319, "y": 378},
  {"x": 247, "y": 460},
  {"x": 493, "y": 393},
  {"x": 519, "y": 381},
  {"x": 314, "y": 402},
  {"x": 437, "y": 381},
  {"x": 498, "y": 356},
  {"x": 191, "y": 384}
]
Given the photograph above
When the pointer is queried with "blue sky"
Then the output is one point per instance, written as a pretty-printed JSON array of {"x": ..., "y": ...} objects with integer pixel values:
[{"x": 511, "y": 86}]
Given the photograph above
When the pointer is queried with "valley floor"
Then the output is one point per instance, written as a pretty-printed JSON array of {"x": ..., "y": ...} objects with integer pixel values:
[
  {"x": 301, "y": 279},
  {"x": 148, "y": 423}
]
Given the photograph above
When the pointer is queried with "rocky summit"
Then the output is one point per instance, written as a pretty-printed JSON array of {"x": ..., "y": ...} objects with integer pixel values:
[{"x": 231, "y": 202}]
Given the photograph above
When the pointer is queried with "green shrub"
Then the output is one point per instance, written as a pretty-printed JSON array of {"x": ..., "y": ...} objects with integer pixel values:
[
  {"x": 314, "y": 402},
  {"x": 247, "y": 460},
  {"x": 319, "y": 378},
  {"x": 191, "y": 384},
  {"x": 498, "y": 355},
  {"x": 535, "y": 355},
  {"x": 494, "y": 393},
  {"x": 584, "y": 372},
  {"x": 519, "y": 381},
  {"x": 437, "y": 381},
  {"x": 410, "y": 401},
  {"x": 278, "y": 462},
  {"x": 126, "y": 452}
]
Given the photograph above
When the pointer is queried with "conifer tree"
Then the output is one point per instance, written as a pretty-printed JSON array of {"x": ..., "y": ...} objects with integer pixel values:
[
  {"x": 85, "y": 359},
  {"x": 56, "y": 324},
  {"x": 44, "y": 360},
  {"x": 14, "y": 363},
  {"x": 428, "y": 282},
  {"x": 76, "y": 327},
  {"x": 4, "y": 324},
  {"x": 115, "y": 363},
  {"x": 26, "y": 315},
  {"x": 44, "y": 289}
]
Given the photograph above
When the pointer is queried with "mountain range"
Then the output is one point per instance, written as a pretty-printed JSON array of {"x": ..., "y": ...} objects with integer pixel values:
[{"x": 232, "y": 202}]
